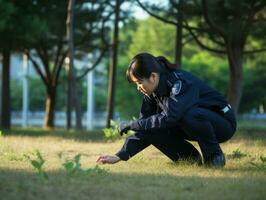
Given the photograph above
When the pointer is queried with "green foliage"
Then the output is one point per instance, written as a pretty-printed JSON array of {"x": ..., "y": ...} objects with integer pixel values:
[
  {"x": 36, "y": 94},
  {"x": 20, "y": 26},
  {"x": 147, "y": 167},
  {"x": 128, "y": 99},
  {"x": 95, "y": 170},
  {"x": 254, "y": 91},
  {"x": 136, "y": 36},
  {"x": 112, "y": 132},
  {"x": 237, "y": 154},
  {"x": 16, "y": 95},
  {"x": 73, "y": 166},
  {"x": 261, "y": 164},
  {"x": 155, "y": 37},
  {"x": 126, "y": 36},
  {"x": 6, "y": 9},
  {"x": 37, "y": 101},
  {"x": 213, "y": 70},
  {"x": 37, "y": 163}
]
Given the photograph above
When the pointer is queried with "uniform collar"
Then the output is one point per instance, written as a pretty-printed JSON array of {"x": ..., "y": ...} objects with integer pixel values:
[{"x": 162, "y": 86}]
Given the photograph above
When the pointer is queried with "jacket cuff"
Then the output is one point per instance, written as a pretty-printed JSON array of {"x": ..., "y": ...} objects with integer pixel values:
[
  {"x": 135, "y": 126},
  {"x": 123, "y": 155}
]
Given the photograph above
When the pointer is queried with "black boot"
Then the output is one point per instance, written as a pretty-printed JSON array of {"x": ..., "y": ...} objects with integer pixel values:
[
  {"x": 215, "y": 160},
  {"x": 212, "y": 154}
]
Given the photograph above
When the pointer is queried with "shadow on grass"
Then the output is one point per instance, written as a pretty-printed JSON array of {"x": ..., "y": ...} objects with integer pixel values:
[
  {"x": 19, "y": 184},
  {"x": 244, "y": 131},
  {"x": 251, "y": 133},
  {"x": 254, "y": 136},
  {"x": 80, "y": 135},
  {"x": 252, "y": 129}
]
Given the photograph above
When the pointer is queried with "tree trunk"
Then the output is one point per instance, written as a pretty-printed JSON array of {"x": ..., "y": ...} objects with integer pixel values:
[
  {"x": 235, "y": 59},
  {"x": 5, "y": 115},
  {"x": 69, "y": 99},
  {"x": 76, "y": 103},
  {"x": 50, "y": 107},
  {"x": 70, "y": 27},
  {"x": 179, "y": 34},
  {"x": 112, "y": 68}
]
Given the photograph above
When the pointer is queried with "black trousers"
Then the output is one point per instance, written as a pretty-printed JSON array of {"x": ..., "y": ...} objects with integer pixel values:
[{"x": 207, "y": 127}]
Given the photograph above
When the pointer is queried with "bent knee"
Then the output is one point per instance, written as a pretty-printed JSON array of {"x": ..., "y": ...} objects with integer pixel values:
[{"x": 193, "y": 115}]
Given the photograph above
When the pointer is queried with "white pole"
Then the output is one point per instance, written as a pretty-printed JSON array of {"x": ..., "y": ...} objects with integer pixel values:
[
  {"x": 25, "y": 92},
  {"x": 90, "y": 100}
]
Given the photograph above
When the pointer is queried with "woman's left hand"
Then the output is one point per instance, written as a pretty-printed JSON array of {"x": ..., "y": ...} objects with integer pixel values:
[
  {"x": 123, "y": 128},
  {"x": 108, "y": 159}
]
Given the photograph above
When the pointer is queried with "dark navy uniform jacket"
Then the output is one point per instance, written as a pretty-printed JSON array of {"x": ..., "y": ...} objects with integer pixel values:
[{"x": 177, "y": 92}]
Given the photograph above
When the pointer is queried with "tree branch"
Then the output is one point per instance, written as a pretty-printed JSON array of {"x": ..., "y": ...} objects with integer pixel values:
[
  {"x": 203, "y": 45},
  {"x": 209, "y": 21},
  {"x": 187, "y": 27},
  {"x": 203, "y": 30},
  {"x": 45, "y": 64},
  {"x": 250, "y": 19},
  {"x": 156, "y": 16},
  {"x": 173, "y": 2},
  {"x": 254, "y": 51},
  {"x": 102, "y": 28},
  {"x": 82, "y": 39},
  {"x": 220, "y": 43},
  {"x": 59, "y": 48},
  {"x": 94, "y": 65},
  {"x": 37, "y": 68},
  {"x": 188, "y": 40},
  {"x": 59, "y": 67}
]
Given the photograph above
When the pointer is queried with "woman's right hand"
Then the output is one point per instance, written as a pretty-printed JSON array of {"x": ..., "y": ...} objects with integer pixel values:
[{"x": 107, "y": 159}]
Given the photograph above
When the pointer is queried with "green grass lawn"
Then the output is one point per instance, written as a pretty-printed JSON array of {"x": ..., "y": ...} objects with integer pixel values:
[{"x": 149, "y": 175}]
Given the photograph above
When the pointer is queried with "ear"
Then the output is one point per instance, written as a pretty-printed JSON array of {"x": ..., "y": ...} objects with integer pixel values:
[{"x": 153, "y": 77}]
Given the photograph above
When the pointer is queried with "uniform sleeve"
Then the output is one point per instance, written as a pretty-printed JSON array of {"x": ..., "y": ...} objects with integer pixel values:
[
  {"x": 133, "y": 145},
  {"x": 180, "y": 100},
  {"x": 136, "y": 143},
  {"x": 148, "y": 107}
]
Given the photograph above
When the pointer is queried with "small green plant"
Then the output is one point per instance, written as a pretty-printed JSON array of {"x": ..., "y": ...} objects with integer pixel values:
[
  {"x": 237, "y": 154},
  {"x": 263, "y": 159},
  {"x": 112, "y": 132},
  {"x": 73, "y": 165},
  {"x": 261, "y": 164},
  {"x": 96, "y": 170},
  {"x": 37, "y": 163}
]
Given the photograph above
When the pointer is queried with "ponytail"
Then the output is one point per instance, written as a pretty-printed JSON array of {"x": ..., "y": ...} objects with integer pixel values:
[
  {"x": 169, "y": 66},
  {"x": 143, "y": 64}
]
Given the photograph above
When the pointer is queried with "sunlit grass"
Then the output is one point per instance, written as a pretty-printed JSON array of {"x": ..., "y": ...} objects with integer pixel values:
[{"x": 149, "y": 175}]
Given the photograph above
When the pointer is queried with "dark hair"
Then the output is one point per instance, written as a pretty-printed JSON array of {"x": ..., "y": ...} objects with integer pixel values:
[{"x": 143, "y": 64}]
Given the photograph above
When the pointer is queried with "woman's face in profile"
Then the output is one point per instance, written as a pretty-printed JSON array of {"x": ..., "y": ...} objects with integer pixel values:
[{"x": 147, "y": 85}]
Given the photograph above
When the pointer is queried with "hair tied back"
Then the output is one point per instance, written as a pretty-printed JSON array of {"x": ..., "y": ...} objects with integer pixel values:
[{"x": 166, "y": 63}]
